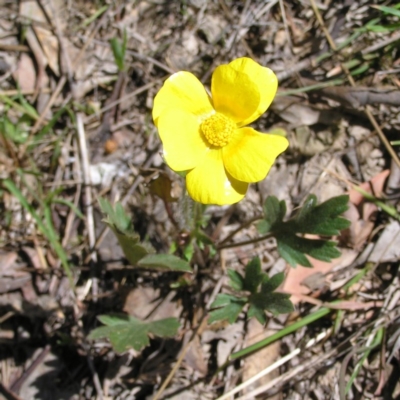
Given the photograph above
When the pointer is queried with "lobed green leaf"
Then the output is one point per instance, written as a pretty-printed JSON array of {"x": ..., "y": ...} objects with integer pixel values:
[
  {"x": 253, "y": 275},
  {"x": 236, "y": 280},
  {"x": 126, "y": 332},
  {"x": 164, "y": 262}
]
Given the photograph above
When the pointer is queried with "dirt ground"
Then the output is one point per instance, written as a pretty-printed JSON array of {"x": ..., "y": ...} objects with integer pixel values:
[{"x": 74, "y": 127}]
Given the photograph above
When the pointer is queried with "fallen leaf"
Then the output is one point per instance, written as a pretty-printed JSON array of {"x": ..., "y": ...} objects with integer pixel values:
[
  {"x": 194, "y": 357},
  {"x": 25, "y": 73},
  {"x": 301, "y": 280},
  {"x": 261, "y": 359},
  {"x": 361, "y": 212},
  {"x": 7, "y": 262},
  {"x": 31, "y": 11},
  {"x": 387, "y": 247}
]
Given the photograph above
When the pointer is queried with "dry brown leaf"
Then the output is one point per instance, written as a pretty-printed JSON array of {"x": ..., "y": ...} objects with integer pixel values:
[
  {"x": 360, "y": 212},
  {"x": 31, "y": 11},
  {"x": 194, "y": 357},
  {"x": 145, "y": 303},
  {"x": 261, "y": 359},
  {"x": 302, "y": 280},
  {"x": 7, "y": 262},
  {"x": 374, "y": 186},
  {"x": 25, "y": 74}
]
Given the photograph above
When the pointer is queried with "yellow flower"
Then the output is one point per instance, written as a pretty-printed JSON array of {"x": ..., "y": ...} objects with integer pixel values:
[{"x": 207, "y": 135}]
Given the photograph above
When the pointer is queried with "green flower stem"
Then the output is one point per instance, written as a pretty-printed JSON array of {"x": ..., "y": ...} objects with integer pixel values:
[
  {"x": 245, "y": 242},
  {"x": 244, "y": 225}
]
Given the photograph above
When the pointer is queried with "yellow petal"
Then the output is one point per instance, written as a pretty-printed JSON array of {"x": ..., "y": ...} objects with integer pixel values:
[
  {"x": 183, "y": 145},
  {"x": 264, "y": 78},
  {"x": 234, "y": 94},
  {"x": 182, "y": 91},
  {"x": 250, "y": 154},
  {"x": 209, "y": 183}
]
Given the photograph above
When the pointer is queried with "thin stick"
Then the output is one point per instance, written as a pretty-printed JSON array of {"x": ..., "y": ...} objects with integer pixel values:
[{"x": 88, "y": 201}]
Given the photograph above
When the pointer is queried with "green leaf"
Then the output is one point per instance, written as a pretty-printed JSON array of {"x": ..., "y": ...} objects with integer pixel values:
[
  {"x": 253, "y": 275},
  {"x": 167, "y": 262},
  {"x": 138, "y": 254},
  {"x": 277, "y": 303},
  {"x": 274, "y": 212},
  {"x": 306, "y": 209},
  {"x": 258, "y": 313},
  {"x": 116, "y": 216},
  {"x": 121, "y": 224},
  {"x": 312, "y": 218},
  {"x": 236, "y": 280},
  {"x": 293, "y": 249},
  {"x": 119, "y": 51},
  {"x": 129, "y": 242},
  {"x": 292, "y": 255},
  {"x": 222, "y": 300},
  {"x": 116, "y": 47},
  {"x": 271, "y": 284},
  {"x": 126, "y": 332},
  {"x": 323, "y": 219},
  {"x": 263, "y": 227},
  {"x": 229, "y": 308}
]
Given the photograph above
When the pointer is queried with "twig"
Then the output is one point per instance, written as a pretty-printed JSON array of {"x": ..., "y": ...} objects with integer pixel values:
[
  {"x": 8, "y": 394},
  {"x": 95, "y": 376},
  {"x": 71, "y": 214},
  {"x": 16, "y": 386},
  {"x": 282, "y": 7},
  {"x": 381, "y": 44},
  {"x": 88, "y": 201}
]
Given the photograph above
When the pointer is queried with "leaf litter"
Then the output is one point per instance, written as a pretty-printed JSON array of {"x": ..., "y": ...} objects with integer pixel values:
[{"x": 58, "y": 54}]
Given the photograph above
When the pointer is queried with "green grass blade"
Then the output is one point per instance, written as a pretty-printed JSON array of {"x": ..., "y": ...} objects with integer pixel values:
[
  {"x": 93, "y": 17},
  {"x": 70, "y": 205},
  {"x": 283, "y": 332},
  {"x": 383, "y": 206},
  {"x": 377, "y": 341},
  {"x": 47, "y": 231},
  {"x": 388, "y": 10},
  {"x": 310, "y": 88},
  {"x": 18, "y": 107}
]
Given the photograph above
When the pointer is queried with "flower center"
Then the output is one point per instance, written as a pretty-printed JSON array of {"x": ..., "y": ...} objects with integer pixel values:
[{"x": 218, "y": 129}]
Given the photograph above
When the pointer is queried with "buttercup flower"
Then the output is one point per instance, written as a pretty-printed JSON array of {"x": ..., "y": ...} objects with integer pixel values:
[{"x": 207, "y": 135}]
